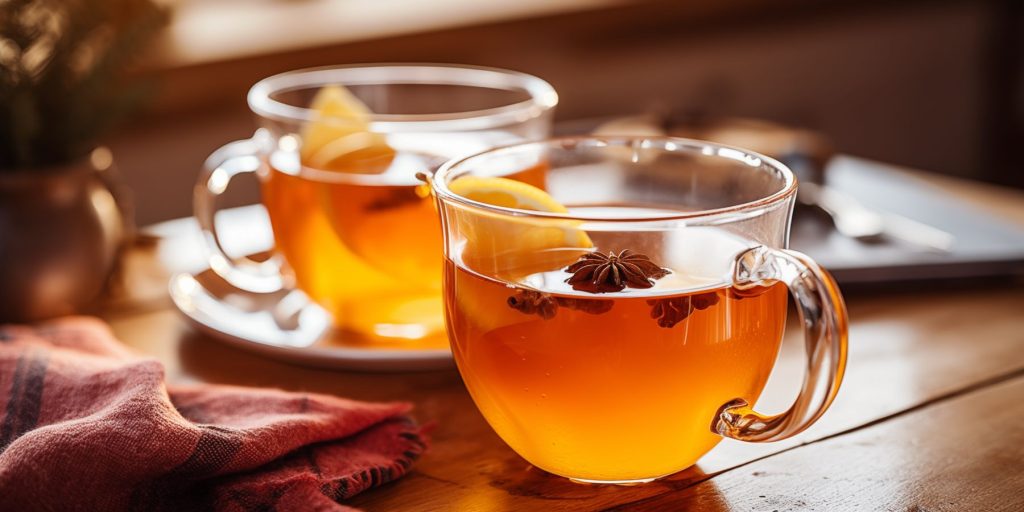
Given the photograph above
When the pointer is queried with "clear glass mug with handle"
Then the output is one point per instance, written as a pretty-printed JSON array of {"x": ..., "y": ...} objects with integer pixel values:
[
  {"x": 619, "y": 325},
  {"x": 337, "y": 156}
]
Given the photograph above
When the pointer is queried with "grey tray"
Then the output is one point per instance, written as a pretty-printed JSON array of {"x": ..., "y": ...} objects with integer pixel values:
[{"x": 985, "y": 245}]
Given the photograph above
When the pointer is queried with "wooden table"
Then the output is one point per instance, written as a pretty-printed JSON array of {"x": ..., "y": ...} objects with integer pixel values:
[{"x": 930, "y": 417}]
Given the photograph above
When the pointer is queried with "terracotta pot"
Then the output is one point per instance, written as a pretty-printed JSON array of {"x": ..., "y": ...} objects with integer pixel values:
[{"x": 61, "y": 231}]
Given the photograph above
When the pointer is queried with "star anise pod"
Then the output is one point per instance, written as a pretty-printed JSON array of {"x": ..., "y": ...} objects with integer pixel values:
[
  {"x": 738, "y": 294},
  {"x": 534, "y": 303},
  {"x": 530, "y": 302},
  {"x": 596, "y": 272},
  {"x": 669, "y": 312},
  {"x": 703, "y": 301},
  {"x": 589, "y": 306}
]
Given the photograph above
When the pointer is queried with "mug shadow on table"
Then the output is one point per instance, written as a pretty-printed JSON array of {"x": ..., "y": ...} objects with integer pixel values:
[{"x": 518, "y": 478}]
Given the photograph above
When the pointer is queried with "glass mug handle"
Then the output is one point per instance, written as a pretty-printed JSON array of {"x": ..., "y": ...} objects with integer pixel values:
[
  {"x": 823, "y": 315},
  {"x": 230, "y": 160}
]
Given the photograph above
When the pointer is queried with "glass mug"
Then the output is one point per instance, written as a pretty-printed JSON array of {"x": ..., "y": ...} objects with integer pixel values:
[
  {"x": 617, "y": 379},
  {"x": 353, "y": 226}
]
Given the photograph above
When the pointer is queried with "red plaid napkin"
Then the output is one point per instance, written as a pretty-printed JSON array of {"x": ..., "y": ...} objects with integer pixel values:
[{"x": 87, "y": 425}]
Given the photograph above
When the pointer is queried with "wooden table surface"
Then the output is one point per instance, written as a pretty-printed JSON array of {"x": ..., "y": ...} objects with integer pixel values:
[{"x": 929, "y": 418}]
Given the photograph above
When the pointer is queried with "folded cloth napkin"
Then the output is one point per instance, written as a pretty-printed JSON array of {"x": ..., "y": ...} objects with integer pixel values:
[{"x": 87, "y": 425}]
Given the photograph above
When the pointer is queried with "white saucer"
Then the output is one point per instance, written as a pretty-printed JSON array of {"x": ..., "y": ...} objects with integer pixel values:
[{"x": 286, "y": 325}]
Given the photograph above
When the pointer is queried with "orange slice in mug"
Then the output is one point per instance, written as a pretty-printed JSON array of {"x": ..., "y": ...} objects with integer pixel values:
[{"x": 339, "y": 137}]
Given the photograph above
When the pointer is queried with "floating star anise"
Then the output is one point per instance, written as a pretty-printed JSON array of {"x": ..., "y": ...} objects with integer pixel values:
[
  {"x": 746, "y": 293},
  {"x": 597, "y": 272},
  {"x": 531, "y": 302},
  {"x": 589, "y": 306},
  {"x": 534, "y": 303},
  {"x": 671, "y": 311},
  {"x": 703, "y": 301}
]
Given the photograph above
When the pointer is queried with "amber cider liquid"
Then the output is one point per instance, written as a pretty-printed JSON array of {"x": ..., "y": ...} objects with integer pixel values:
[
  {"x": 367, "y": 247},
  {"x": 615, "y": 387}
]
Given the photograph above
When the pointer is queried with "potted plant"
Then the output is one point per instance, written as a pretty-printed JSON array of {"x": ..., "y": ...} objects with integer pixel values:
[{"x": 63, "y": 87}]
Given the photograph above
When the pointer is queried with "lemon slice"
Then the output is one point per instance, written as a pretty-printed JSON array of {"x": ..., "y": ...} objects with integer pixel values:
[
  {"x": 506, "y": 193},
  {"x": 339, "y": 138},
  {"x": 514, "y": 247}
]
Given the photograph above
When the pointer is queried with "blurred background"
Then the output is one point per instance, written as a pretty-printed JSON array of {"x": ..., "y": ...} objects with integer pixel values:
[{"x": 934, "y": 85}]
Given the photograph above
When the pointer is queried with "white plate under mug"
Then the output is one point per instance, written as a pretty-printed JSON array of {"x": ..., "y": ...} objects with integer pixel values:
[{"x": 288, "y": 326}]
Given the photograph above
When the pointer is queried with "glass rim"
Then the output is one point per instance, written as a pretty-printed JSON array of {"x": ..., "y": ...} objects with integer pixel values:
[
  {"x": 542, "y": 96},
  {"x": 439, "y": 180}
]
